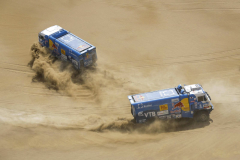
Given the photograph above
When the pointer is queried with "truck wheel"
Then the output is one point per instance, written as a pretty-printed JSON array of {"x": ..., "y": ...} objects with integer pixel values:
[
  {"x": 81, "y": 67},
  {"x": 202, "y": 116},
  {"x": 94, "y": 59}
]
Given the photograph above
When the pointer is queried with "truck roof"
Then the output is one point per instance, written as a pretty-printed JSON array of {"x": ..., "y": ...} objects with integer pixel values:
[
  {"x": 51, "y": 30},
  {"x": 194, "y": 89},
  {"x": 74, "y": 42},
  {"x": 161, "y": 94}
]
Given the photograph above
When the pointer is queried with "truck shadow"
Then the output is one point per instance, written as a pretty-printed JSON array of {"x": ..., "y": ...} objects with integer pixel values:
[
  {"x": 184, "y": 124},
  {"x": 173, "y": 125},
  {"x": 154, "y": 126}
]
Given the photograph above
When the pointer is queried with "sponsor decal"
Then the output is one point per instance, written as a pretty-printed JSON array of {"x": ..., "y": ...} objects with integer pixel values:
[
  {"x": 178, "y": 116},
  {"x": 169, "y": 116},
  {"x": 192, "y": 101},
  {"x": 183, "y": 104},
  {"x": 150, "y": 114},
  {"x": 54, "y": 46},
  {"x": 205, "y": 105},
  {"x": 176, "y": 111},
  {"x": 82, "y": 47},
  {"x": 195, "y": 103},
  {"x": 87, "y": 55},
  {"x": 178, "y": 105},
  {"x": 159, "y": 113},
  {"x": 175, "y": 100},
  {"x": 70, "y": 52},
  {"x": 144, "y": 106},
  {"x": 162, "y": 117},
  {"x": 163, "y": 107},
  {"x": 140, "y": 113},
  {"x": 148, "y": 105},
  {"x": 50, "y": 44},
  {"x": 200, "y": 106},
  {"x": 140, "y": 105},
  {"x": 63, "y": 51},
  {"x": 139, "y": 98}
]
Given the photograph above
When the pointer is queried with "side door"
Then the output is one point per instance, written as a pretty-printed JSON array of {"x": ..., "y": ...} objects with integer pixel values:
[
  {"x": 203, "y": 103},
  {"x": 185, "y": 106}
]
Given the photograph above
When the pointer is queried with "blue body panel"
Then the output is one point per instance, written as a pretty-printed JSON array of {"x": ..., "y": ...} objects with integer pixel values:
[
  {"x": 74, "y": 42},
  {"x": 165, "y": 104},
  {"x": 155, "y": 95},
  {"x": 68, "y": 47}
]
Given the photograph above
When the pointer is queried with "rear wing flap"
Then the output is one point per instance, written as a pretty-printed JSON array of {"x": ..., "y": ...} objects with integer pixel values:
[{"x": 131, "y": 99}]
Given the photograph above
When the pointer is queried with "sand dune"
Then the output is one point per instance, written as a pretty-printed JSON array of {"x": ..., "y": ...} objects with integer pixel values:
[{"x": 48, "y": 110}]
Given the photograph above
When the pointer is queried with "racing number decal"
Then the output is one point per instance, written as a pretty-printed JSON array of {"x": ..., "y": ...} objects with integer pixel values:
[
  {"x": 185, "y": 104},
  {"x": 50, "y": 44},
  {"x": 163, "y": 107},
  {"x": 63, "y": 51}
]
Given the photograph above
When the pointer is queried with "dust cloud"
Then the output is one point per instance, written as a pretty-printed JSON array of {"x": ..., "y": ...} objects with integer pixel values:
[{"x": 63, "y": 77}]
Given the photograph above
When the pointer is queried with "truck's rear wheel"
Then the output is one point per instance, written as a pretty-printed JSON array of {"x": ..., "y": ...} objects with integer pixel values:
[
  {"x": 81, "y": 67},
  {"x": 94, "y": 58},
  {"x": 202, "y": 116}
]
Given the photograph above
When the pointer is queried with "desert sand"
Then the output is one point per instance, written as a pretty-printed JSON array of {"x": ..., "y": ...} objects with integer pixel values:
[{"x": 47, "y": 111}]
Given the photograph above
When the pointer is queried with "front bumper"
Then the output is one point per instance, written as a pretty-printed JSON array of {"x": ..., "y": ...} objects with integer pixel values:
[{"x": 212, "y": 106}]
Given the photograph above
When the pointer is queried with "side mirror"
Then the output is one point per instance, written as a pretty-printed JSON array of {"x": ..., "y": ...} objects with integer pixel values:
[{"x": 179, "y": 87}]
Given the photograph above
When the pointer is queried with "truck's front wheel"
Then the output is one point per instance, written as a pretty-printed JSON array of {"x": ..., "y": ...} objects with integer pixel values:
[{"x": 202, "y": 116}]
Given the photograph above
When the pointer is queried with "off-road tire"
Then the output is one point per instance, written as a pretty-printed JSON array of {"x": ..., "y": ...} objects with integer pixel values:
[
  {"x": 82, "y": 68},
  {"x": 202, "y": 116}
]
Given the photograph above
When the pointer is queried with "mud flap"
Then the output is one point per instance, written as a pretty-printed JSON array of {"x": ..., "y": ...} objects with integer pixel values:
[{"x": 81, "y": 67}]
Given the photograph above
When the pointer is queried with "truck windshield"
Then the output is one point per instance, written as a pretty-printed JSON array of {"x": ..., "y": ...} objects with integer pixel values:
[
  {"x": 206, "y": 96},
  {"x": 41, "y": 37}
]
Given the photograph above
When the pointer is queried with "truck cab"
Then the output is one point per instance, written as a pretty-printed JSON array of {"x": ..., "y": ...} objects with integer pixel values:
[{"x": 200, "y": 101}]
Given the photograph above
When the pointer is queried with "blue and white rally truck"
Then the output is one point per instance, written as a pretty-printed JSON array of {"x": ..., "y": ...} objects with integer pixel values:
[
  {"x": 188, "y": 101},
  {"x": 68, "y": 47}
]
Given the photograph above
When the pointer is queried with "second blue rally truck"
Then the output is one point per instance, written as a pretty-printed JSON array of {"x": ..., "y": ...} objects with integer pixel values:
[
  {"x": 188, "y": 101},
  {"x": 68, "y": 47}
]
